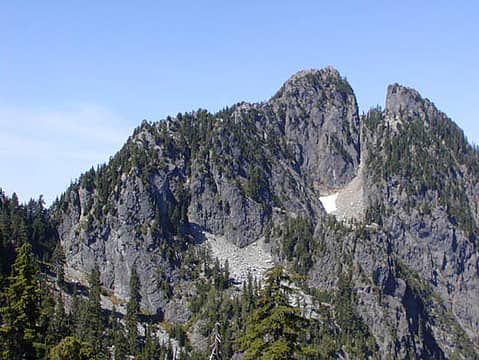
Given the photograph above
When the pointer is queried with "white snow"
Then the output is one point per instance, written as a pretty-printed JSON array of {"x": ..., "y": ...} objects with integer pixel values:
[
  {"x": 347, "y": 204},
  {"x": 329, "y": 202}
]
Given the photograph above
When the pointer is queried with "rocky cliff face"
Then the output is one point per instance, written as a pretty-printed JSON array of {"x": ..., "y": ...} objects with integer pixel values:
[
  {"x": 318, "y": 113},
  {"x": 249, "y": 171},
  {"x": 231, "y": 174},
  {"x": 425, "y": 182}
]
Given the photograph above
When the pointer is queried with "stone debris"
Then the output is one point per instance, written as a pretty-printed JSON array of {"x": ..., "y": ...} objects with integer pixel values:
[
  {"x": 348, "y": 203},
  {"x": 254, "y": 258}
]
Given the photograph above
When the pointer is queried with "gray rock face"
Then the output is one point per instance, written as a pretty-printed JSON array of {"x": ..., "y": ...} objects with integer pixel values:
[
  {"x": 221, "y": 208},
  {"x": 402, "y": 99},
  {"x": 425, "y": 196},
  {"x": 309, "y": 133},
  {"x": 236, "y": 174},
  {"x": 318, "y": 113},
  {"x": 230, "y": 174},
  {"x": 117, "y": 243}
]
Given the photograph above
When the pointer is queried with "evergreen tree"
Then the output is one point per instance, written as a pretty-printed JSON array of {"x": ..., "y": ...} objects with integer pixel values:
[
  {"x": 94, "y": 323},
  {"x": 133, "y": 311},
  {"x": 47, "y": 315},
  {"x": 71, "y": 348},
  {"x": 226, "y": 275},
  {"x": 21, "y": 312},
  {"x": 117, "y": 337},
  {"x": 59, "y": 326},
  {"x": 150, "y": 350},
  {"x": 59, "y": 260},
  {"x": 75, "y": 309},
  {"x": 273, "y": 329}
]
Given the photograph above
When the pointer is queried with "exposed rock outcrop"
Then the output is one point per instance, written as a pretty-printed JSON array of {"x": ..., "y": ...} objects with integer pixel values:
[{"x": 406, "y": 223}]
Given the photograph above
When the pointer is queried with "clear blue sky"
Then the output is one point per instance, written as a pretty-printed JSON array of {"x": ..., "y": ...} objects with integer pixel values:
[{"x": 76, "y": 77}]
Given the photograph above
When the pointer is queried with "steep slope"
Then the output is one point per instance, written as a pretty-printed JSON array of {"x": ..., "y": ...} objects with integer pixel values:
[
  {"x": 232, "y": 174},
  {"x": 318, "y": 114},
  {"x": 422, "y": 185},
  {"x": 411, "y": 258},
  {"x": 394, "y": 266}
]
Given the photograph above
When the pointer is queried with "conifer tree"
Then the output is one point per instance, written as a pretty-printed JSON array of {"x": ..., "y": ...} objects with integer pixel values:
[
  {"x": 93, "y": 312},
  {"x": 60, "y": 325},
  {"x": 47, "y": 315},
  {"x": 117, "y": 337},
  {"x": 133, "y": 311},
  {"x": 71, "y": 348},
  {"x": 75, "y": 312},
  {"x": 150, "y": 350},
  {"x": 21, "y": 312},
  {"x": 273, "y": 329},
  {"x": 59, "y": 260}
]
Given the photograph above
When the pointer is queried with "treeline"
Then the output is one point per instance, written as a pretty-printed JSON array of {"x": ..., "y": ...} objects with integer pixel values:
[
  {"x": 25, "y": 223},
  {"x": 36, "y": 325}
]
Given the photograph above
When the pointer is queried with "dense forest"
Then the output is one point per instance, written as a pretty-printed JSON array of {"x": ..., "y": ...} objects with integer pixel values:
[
  {"x": 43, "y": 316},
  {"x": 131, "y": 260}
]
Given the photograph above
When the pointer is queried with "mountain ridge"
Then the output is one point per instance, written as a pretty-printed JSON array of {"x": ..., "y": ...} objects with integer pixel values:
[{"x": 403, "y": 240}]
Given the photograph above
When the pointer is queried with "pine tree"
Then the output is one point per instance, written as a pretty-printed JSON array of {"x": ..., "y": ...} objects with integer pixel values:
[
  {"x": 5, "y": 233},
  {"x": 273, "y": 329},
  {"x": 133, "y": 311},
  {"x": 59, "y": 260},
  {"x": 94, "y": 321},
  {"x": 47, "y": 315},
  {"x": 59, "y": 326},
  {"x": 226, "y": 275},
  {"x": 71, "y": 348},
  {"x": 117, "y": 337},
  {"x": 150, "y": 350},
  {"x": 75, "y": 313},
  {"x": 21, "y": 312}
]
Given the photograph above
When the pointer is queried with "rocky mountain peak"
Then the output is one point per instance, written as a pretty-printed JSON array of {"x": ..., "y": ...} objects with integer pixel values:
[
  {"x": 310, "y": 83},
  {"x": 400, "y": 97},
  {"x": 256, "y": 174},
  {"x": 308, "y": 75},
  {"x": 406, "y": 104}
]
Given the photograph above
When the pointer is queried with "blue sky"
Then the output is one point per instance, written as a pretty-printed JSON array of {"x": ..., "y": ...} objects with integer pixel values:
[{"x": 76, "y": 77}]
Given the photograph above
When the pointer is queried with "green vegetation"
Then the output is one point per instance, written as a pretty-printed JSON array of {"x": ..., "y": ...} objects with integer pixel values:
[
  {"x": 133, "y": 312},
  {"x": 71, "y": 348},
  {"x": 273, "y": 330},
  {"x": 427, "y": 162},
  {"x": 21, "y": 223},
  {"x": 21, "y": 311},
  {"x": 298, "y": 244}
]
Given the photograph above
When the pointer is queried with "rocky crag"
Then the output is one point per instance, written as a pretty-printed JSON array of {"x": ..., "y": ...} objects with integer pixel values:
[{"x": 403, "y": 231}]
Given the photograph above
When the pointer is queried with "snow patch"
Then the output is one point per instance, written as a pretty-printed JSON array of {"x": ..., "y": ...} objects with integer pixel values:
[{"x": 329, "y": 202}]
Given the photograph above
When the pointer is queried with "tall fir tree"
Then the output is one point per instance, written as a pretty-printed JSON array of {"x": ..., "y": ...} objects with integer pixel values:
[
  {"x": 273, "y": 329},
  {"x": 60, "y": 326},
  {"x": 150, "y": 350},
  {"x": 21, "y": 311},
  {"x": 94, "y": 315},
  {"x": 133, "y": 311},
  {"x": 47, "y": 315},
  {"x": 117, "y": 337},
  {"x": 59, "y": 260}
]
